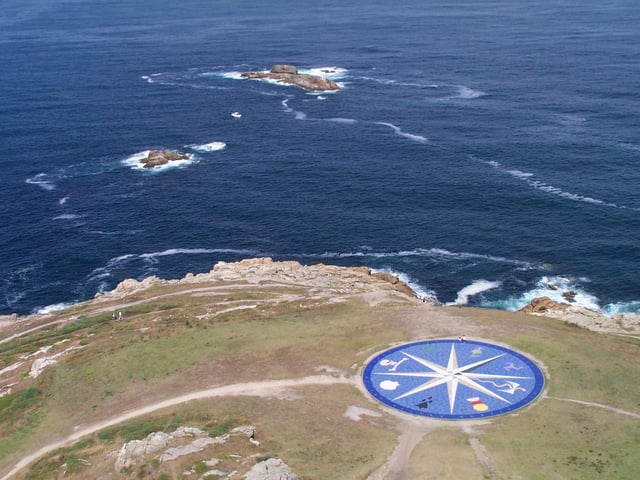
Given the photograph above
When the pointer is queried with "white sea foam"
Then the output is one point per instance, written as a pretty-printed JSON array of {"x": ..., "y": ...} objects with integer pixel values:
[
  {"x": 150, "y": 78},
  {"x": 456, "y": 92},
  {"x": 554, "y": 288},
  {"x": 190, "y": 78},
  {"x": 56, "y": 307},
  {"x": 415, "y": 286},
  {"x": 431, "y": 253},
  {"x": 297, "y": 114},
  {"x": 545, "y": 187},
  {"x": 229, "y": 75},
  {"x": 63, "y": 200},
  {"x": 468, "y": 93},
  {"x": 208, "y": 147},
  {"x": 478, "y": 286},
  {"x": 622, "y": 308},
  {"x": 111, "y": 265},
  {"x": 383, "y": 81},
  {"x": 192, "y": 251},
  {"x": 446, "y": 254},
  {"x": 341, "y": 120},
  {"x": 66, "y": 216},
  {"x": 135, "y": 162},
  {"x": 398, "y": 131},
  {"x": 123, "y": 261},
  {"x": 42, "y": 180},
  {"x": 328, "y": 72}
]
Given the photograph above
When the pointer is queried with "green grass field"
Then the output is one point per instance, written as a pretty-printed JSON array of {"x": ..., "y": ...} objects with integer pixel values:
[{"x": 181, "y": 343}]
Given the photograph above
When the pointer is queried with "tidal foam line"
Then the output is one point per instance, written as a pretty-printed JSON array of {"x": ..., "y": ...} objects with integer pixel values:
[
  {"x": 529, "y": 179},
  {"x": 398, "y": 131}
]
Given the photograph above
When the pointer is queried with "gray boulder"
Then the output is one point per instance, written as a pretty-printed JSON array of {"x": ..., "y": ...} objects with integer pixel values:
[{"x": 270, "y": 469}]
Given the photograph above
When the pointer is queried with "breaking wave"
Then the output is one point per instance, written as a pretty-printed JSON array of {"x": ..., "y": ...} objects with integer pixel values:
[
  {"x": 56, "y": 307},
  {"x": 334, "y": 73},
  {"x": 558, "y": 288},
  {"x": 419, "y": 290},
  {"x": 475, "y": 288},
  {"x": 622, "y": 308}
]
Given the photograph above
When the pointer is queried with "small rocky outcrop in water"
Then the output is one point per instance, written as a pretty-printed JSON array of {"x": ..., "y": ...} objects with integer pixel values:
[
  {"x": 157, "y": 158},
  {"x": 544, "y": 304},
  {"x": 289, "y": 74}
]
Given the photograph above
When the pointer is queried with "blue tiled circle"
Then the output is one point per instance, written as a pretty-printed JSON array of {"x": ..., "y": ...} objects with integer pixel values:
[{"x": 453, "y": 379}]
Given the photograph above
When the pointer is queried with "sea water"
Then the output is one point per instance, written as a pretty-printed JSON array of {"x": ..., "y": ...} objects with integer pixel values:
[{"x": 486, "y": 152}]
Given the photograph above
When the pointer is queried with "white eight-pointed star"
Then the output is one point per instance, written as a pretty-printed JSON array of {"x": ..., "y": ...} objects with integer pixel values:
[{"x": 452, "y": 375}]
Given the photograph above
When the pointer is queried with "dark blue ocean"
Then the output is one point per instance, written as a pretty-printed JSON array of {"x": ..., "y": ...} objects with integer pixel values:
[{"x": 486, "y": 151}]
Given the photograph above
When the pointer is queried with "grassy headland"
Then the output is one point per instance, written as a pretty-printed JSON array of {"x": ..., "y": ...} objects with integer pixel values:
[{"x": 281, "y": 347}]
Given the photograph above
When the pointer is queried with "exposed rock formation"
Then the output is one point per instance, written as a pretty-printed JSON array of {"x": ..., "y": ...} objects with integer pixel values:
[
  {"x": 329, "y": 278},
  {"x": 283, "y": 68},
  {"x": 544, "y": 305},
  {"x": 289, "y": 74},
  {"x": 270, "y": 469},
  {"x": 163, "y": 446},
  {"x": 581, "y": 316},
  {"x": 135, "y": 451},
  {"x": 156, "y": 158}
]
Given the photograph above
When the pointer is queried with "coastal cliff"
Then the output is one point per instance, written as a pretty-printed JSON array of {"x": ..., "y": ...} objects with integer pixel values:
[
  {"x": 333, "y": 284},
  {"x": 343, "y": 282}
]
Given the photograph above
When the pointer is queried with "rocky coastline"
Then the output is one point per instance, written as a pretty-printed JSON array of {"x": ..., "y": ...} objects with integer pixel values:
[
  {"x": 298, "y": 306},
  {"x": 337, "y": 283},
  {"x": 354, "y": 280}
]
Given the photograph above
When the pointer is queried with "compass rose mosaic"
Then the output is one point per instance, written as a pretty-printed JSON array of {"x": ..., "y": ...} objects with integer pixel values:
[{"x": 453, "y": 379}]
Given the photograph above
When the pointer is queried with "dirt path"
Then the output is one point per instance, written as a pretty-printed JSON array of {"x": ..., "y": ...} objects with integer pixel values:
[
  {"x": 397, "y": 465},
  {"x": 412, "y": 430},
  {"x": 259, "y": 389},
  {"x": 597, "y": 405}
]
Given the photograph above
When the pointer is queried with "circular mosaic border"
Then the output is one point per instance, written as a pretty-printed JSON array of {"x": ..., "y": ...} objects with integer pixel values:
[{"x": 453, "y": 379}]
